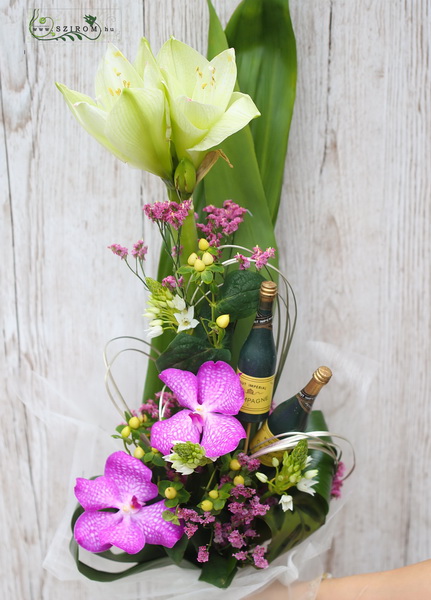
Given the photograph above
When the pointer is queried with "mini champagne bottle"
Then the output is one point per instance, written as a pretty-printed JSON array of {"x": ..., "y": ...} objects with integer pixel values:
[
  {"x": 290, "y": 415},
  {"x": 257, "y": 360}
]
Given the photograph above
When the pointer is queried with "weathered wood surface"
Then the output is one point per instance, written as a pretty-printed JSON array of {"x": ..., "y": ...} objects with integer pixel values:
[{"x": 354, "y": 233}]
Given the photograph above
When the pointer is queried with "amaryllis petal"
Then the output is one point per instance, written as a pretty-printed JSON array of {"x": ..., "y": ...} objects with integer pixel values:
[
  {"x": 137, "y": 127},
  {"x": 221, "y": 434},
  {"x": 126, "y": 534},
  {"x": 183, "y": 384},
  {"x": 178, "y": 428},
  {"x": 114, "y": 74},
  {"x": 88, "y": 527},
  {"x": 240, "y": 112},
  {"x": 131, "y": 476},
  {"x": 155, "y": 528},
  {"x": 219, "y": 388},
  {"x": 183, "y": 62},
  {"x": 96, "y": 494}
]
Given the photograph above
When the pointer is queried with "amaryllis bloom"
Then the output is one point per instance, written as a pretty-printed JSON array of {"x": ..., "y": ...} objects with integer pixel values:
[
  {"x": 126, "y": 485},
  {"x": 204, "y": 107},
  {"x": 129, "y": 116},
  {"x": 211, "y": 399}
]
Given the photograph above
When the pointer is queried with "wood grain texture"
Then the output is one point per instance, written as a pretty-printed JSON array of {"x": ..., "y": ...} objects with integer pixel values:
[{"x": 354, "y": 233}]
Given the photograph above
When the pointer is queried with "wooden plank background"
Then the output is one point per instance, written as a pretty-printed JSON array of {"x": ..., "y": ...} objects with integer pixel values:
[{"x": 354, "y": 234}]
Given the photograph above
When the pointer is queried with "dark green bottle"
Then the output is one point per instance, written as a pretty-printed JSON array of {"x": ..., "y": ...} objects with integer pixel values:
[
  {"x": 258, "y": 359},
  {"x": 290, "y": 415}
]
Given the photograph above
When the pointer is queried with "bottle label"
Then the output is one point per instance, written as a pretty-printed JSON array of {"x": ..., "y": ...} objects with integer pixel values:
[
  {"x": 257, "y": 393},
  {"x": 305, "y": 401},
  {"x": 264, "y": 437},
  {"x": 262, "y": 321}
]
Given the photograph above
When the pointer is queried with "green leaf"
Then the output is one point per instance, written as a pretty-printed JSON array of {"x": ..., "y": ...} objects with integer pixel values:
[
  {"x": 177, "y": 552},
  {"x": 189, "y": 352},
  {"x": 321, "y": 460},
  {"x": 262, "y": 34},
  {"x": 239, "y": 294},
  {"x": 292, "y": 527},
  {"x": 219, "y": 571}
]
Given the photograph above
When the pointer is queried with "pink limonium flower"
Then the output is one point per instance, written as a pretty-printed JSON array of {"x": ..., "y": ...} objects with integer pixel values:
[
  {"x": 210, "y": 399},
  {"x": 221, "y": 222},
  {"x": 262, "y": 256},
  {"x": 139, "y": 250},
  {"x": 337, "y": 482},
  {"x": 119, "y": 250},
  {"x": 126, "y": 485},
  {"x": 168, "y": 212},
  {"x": 244, "y": 262}
]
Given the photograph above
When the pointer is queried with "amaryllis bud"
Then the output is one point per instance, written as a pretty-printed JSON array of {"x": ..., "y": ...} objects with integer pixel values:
[{"x": 185, "y": 178}]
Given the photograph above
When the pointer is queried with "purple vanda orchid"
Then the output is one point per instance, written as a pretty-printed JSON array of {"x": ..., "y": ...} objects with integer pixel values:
[
  {"x": 210, "y": 399},
  {"x": 125, "y": 485}
]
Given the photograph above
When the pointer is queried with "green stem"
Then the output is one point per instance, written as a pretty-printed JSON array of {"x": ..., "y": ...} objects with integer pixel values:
[{"x": 189, "y": 236}]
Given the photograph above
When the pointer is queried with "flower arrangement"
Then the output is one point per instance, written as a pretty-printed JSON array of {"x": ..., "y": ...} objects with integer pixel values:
[{"x": 185, "y": 489}]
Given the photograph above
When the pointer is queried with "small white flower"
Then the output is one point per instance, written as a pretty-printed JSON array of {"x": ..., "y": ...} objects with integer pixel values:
[
  {"x": 153, "y": 332},
  {"x": 286, "y": 502},
  {"x": 311, "y": 473},
  {"x": 261, "y": 476},
  {"x": 306, "y": 485},
  {"x": 177, "y": 464},
  {"x": 178, "y": 303},
  {"x": 185, "y": 319}
]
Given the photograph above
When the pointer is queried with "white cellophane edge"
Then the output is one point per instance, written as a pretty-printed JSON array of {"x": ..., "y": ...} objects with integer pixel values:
[{"x": 88, "y": 445}]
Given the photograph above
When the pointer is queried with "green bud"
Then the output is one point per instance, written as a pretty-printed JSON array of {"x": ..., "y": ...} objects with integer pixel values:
[{"x": 185, "y": 178}]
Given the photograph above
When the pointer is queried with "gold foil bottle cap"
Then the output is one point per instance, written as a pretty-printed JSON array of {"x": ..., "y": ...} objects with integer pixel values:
[
  {"x": 322, "y": 375},
  {"x": 268, "y": 289}
]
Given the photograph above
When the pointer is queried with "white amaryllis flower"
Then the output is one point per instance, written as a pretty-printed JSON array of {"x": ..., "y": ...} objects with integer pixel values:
[
  {"x": 130, "y": 116},
  {"x": 306, "y": 485},
  {"x": 286, "y": 502},
  {"x": 185, "y": 319},
  {"x": 178, "y": 104},
  {"x": 204, "y": 108}
]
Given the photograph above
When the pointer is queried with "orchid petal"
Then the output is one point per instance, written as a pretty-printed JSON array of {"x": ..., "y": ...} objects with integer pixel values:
[
  {"x": 178, "y": 428},
  {"x": 155, "y": 528},
  {"x": 96, "y": 494},
  {"x": 127, "y": 534},
  {"x": 240, "y": 112},
  {"x": 136, "y": 126},
  {"x": 88, "y": 527},
  {"x": 219, "y": 388},
  {"x": 183, "y": 384},
  {"x": 221, "y": 434},
  {"x": 131, "y": 476},
  {"x": 114, "y": 74}
]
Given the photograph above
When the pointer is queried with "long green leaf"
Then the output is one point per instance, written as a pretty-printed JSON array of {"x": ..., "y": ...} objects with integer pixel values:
[{"x": 262, "y": 34}]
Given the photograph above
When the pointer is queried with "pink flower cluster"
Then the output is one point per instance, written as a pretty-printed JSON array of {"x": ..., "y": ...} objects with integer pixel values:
[
  {"x": 119, "y": 250},
  {"x": 337, "y": 482},
  {"x": 251, "y": 464},
  {"x": 260, "y": 257},
  {"x": 151, "y": 407},
  {"x": 171, "y": 283},
  {"x": 221, "y": 222},
  {"x": 169, "y": 212},
  {"x": 192, "y": 520},
  {"x": 237, "y": 532},
  {"x": 256, "y": 555},
  {"x": 139, "y": 250}
]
